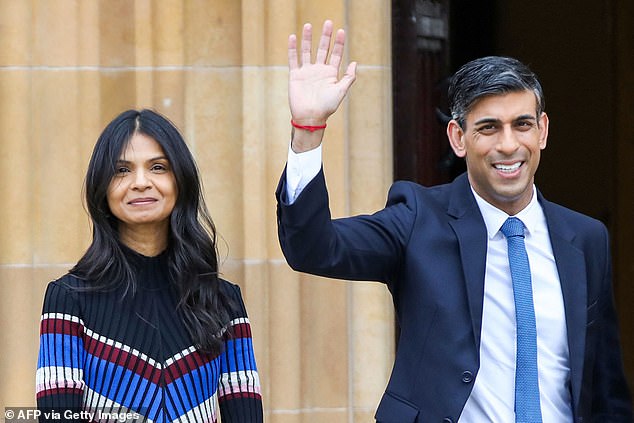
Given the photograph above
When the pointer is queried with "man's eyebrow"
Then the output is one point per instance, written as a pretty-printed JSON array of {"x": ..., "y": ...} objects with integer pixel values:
[
  {"x": 497, "y": 121},
  {"x": 487, "y": 120},
  {"x": 525, "y": 117}
]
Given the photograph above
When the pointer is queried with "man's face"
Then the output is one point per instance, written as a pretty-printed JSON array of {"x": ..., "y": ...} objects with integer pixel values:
[{"x": 501, "y": 142}]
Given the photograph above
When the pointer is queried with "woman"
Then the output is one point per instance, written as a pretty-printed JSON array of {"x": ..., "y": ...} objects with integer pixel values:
[{"x": 142, "y": 327}]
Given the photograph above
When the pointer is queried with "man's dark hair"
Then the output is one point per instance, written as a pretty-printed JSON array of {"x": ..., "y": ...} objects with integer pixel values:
[{"x": 491, "y": 75}]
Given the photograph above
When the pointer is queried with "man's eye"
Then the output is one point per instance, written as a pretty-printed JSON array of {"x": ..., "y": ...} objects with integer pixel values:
[
  {"x": 524, "y": 125},
  {"x": 487, "y": 129}
]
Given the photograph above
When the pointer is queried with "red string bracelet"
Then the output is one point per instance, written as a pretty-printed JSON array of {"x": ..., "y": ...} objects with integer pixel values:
[{"x": 307, "y": 127}]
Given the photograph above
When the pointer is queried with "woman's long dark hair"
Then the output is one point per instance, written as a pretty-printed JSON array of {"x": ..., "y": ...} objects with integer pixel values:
[{"x": 192, "y": 255}]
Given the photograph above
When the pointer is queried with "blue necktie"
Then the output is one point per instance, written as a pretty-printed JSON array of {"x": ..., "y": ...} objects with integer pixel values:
[{"x": 527, "y": 408}]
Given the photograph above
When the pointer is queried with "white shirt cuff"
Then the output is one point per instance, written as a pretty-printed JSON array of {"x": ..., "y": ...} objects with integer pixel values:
[{"x": 301, "y": 168}]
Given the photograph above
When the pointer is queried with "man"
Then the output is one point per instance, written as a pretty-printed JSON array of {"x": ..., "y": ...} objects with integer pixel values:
[{"x": 504, "y": 299}]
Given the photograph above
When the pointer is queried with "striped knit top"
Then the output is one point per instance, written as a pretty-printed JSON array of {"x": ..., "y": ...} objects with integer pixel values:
[{"x": 102, "y": 356}]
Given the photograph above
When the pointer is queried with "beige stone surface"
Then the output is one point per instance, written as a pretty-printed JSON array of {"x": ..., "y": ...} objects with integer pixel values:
[
  {"x": 214, "y": 129},
  {"x": 370, "y": 139},
  {"x": 285, "y": 362},
  {"x": 57, "y": 168},
  {"x": 16, "y": 215},
  {"x": 117, "y": 41},
  {"x": 324, "y": 342},
  {"x": 372, "y": 320},
  {"x": 370, "y": 44},
  {"x": 15, "y": 21},
  {"x": 213, "y": 32},
  {"x": 21, "y": 293}
]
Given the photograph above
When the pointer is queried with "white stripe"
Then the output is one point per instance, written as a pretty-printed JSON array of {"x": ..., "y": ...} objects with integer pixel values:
[
  {"x": 184, "y": 353},
  {"x": 199, "y": 413},
  {"x": 234, "y": 322},
  {"x": 242, "y": 381},
  {"x": 52, "y": 377},
  {"x": 99, "y": 403},
  {"x": 123, "y": 347},
  {"x": 239, "y": 320},
  {"x": 62, "y": 316},
  {"x": 111, "y": 342}
]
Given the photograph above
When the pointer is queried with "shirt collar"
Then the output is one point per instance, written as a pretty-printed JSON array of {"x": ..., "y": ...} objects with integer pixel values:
[{"x": 494, "y": 218}]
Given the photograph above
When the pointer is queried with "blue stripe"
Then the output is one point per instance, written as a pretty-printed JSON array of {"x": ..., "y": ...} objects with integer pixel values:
[
  {"x": 105, "y": 377},
  {"x": 238, "y": 356},
  {"x": 198, "y": 392},
  {"x": 57, "y": 350}
]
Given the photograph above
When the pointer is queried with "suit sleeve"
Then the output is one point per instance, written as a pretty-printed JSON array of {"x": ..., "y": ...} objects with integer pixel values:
[
  {"x": 611, "y": 401},
  {"x": 365, "y": 247},
  {"x": 59, "y": 376},
  {"x": 239, "y": 394}
]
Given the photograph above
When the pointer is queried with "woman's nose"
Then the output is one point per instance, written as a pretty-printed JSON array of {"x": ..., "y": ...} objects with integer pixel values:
[{"x": 141, "y": 181}]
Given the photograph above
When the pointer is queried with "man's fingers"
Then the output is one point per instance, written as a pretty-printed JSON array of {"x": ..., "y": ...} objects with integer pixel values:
[
  {"x": 324, "y": 43},
  {"x": 292, "y": 52},
  {"x": 349, "y": 76},
  {"x": 337, "y": 48},
  {"x": 322, "y": 49},
  {"x": 307, "y": 38}
]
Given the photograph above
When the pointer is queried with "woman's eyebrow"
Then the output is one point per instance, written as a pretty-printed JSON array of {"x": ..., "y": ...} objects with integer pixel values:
[{"x": 153, "y": 159}]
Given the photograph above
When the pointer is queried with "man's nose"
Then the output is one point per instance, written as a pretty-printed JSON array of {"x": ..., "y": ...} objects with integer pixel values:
[{"x": 507, "y": 141}]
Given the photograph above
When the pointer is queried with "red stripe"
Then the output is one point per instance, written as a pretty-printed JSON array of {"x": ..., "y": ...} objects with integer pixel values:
[
  {"x": 60, "y": 326},
  {"x": 192, "y": 361},
  {"x": 184, "y": 365},
  {"x": 59, "y": 391},
  {"x": 196, "y": 359},
  {"x": 122, "y": 358},
  {"x": 235, "y": 395},
  {"x": 241, "y": 330}
]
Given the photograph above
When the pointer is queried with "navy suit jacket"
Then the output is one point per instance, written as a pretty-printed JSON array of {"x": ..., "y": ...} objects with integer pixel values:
[{"x": 428, "y": 245}]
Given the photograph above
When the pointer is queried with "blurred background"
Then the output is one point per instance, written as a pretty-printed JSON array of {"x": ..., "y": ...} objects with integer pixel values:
[{"x": 218, "y": 69}]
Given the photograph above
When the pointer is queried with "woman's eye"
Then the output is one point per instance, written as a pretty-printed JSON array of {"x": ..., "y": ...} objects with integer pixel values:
[
  {"x": 121, "y": 170},
  {"x": 158, "y": 168}
]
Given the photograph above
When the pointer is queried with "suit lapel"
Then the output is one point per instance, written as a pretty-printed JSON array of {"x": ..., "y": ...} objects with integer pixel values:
[
  {"x": 572, "y": 275},
  {"x": 470, "y": 230}
]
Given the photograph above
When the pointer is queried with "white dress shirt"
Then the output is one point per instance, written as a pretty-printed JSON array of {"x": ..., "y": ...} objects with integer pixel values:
[{"x": 493, "y": 396}]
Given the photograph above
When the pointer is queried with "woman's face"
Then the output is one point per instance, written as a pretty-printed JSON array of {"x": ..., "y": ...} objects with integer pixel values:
[{"x": 143, "y": 191}]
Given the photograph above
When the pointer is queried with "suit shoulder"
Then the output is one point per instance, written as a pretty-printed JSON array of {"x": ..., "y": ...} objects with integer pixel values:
[
  {"x": 588, "y": 232},
  {"x": 411, "y": 192},
  {"x": 574, "y": 217}
]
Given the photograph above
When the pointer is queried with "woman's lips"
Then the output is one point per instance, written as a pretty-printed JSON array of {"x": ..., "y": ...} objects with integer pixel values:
[{"x": 142, "y": 201}]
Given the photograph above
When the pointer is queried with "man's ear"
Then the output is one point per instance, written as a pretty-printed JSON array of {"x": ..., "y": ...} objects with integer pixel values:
[
  {"x": 543, "y": 128},
  {"x": 456, "y": 138}
]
